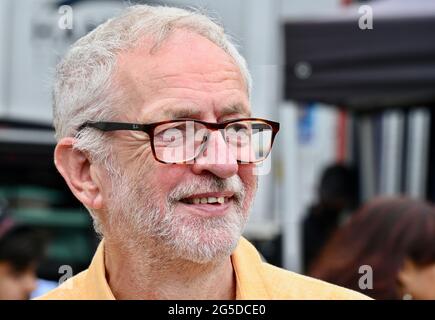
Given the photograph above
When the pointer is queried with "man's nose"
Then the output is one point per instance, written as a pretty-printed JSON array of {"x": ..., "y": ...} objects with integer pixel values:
[{"x": 216, "y": 158}]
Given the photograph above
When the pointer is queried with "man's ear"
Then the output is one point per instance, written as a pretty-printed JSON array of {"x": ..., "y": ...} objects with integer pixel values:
[{"x": 79, "y": 173}]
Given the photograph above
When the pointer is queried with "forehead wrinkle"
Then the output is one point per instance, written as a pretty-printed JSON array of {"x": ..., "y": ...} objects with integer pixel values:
[
  {"x": 215, "y": 75},
  {"x": 193, "y": 82}
]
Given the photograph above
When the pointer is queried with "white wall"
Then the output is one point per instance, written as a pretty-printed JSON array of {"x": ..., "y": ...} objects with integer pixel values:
[
  {"x": 5, "y": 9},
  {"x": 296, "y": 9},
  {"x": 30, "y": 65},
  {"x": 37, "y": 43}
]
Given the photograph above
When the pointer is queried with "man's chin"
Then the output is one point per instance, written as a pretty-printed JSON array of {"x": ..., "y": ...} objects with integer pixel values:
[
  {"x": 204, "y": 245},
  {"x": 207, "y": 253}
]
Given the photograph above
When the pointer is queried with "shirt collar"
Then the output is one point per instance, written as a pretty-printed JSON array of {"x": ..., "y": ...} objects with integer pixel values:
[
  {"x": 96, "y": 276},
  {"x": 246, "y": 262},
  {"x": 248, "y": 267}
]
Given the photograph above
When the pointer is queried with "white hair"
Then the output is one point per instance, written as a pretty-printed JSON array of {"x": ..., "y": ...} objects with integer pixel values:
[{"x": 84, "y": 88}]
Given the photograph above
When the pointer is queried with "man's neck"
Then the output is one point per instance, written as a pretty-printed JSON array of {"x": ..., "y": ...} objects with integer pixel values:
[{"x": 140, "y": 274}]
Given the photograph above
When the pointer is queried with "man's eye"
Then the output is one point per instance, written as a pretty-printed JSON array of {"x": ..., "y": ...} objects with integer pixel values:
[
  {"x": 238, "y": 128},
  {"x": 173, "y": 137},
  {"x": 173, "y": 127},
  {"x": 170, "y": 137}
]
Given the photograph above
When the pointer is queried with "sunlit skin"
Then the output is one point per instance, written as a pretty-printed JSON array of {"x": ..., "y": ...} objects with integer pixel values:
[{"x": 188, "y": 76}]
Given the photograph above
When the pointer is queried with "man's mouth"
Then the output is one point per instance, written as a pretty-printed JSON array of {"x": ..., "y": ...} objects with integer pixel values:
[
  {"x": 211, "y": 204},
  {"x": 204, "y": 200}
]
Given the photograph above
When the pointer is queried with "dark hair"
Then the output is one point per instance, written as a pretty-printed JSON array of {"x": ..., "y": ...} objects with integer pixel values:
[
  {"x": 339, "y": 181},
  {"x": 21, "y": 246},
  {"x": 382, "y": 235}
]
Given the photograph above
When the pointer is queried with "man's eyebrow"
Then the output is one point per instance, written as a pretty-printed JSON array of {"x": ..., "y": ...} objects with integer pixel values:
[
  {"x": 235, "y": 109},
  {"x": 182, "y": 113},
  {"x": 192, "y": 113}
]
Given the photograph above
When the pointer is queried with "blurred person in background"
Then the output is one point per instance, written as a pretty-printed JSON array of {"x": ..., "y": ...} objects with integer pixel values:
[
  {"x": 396, "y": 238},
  {"x": 21, "y": 250},
  {"x": 337, "y": 197}
]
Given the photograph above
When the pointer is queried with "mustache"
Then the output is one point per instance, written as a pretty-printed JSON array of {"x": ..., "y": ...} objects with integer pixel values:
[{"x": 208, "y": 184}]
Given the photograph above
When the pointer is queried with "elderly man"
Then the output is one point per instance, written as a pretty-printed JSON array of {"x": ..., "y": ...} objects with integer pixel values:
[{"x": 156, "y": 139}]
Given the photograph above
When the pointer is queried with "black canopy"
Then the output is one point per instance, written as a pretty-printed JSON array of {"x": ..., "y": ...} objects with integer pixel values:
[{"x": 330, "y": 59}]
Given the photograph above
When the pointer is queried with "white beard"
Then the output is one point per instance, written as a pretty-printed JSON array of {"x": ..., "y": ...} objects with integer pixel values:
[{"x": 136, "y": 217}]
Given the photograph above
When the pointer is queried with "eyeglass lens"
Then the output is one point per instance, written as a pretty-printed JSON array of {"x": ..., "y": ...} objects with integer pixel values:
[{"x": 247, "y": 141}]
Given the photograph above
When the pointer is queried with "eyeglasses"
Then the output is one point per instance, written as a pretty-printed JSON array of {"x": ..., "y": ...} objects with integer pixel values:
[{"x": 249, "y": 140}]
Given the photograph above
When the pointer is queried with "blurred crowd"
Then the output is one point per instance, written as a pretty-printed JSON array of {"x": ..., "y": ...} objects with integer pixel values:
[{"x": 383, "y": 248}]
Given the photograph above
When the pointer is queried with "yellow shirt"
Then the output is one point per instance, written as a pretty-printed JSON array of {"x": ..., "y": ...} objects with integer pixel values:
[{"x": 255, "y": 279}]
